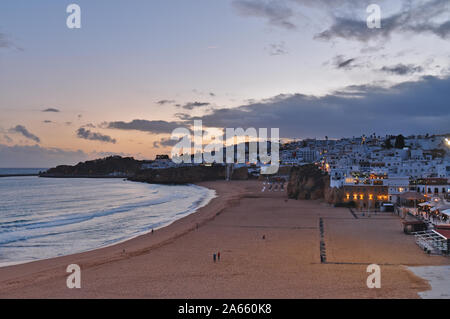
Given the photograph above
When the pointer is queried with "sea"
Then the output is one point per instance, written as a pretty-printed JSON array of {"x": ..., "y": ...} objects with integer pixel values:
[
  {"x": 21, "y": 171},
  {"x": 42, "y": 218}
]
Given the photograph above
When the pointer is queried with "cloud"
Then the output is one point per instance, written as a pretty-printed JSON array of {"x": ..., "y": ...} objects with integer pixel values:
[
  {"x": 277, "y": 49},
  {"x": 164, "y": 102},
  {"x": 93, "y": 136},
  {"x": 408, "y": 108},
  {"x": 277, "y": 13},
  {"x": 340, "y": 62},
  {"x": 182, "y": 116},
  {"x": 155, "y": 127},
  {"x": 22, "y": 130},
  {"x": 402, "y": 69},
  {"x": 192, "y": 105},
  {"x": 165, "y": 142},
  {"x": 7, "y": 138},
  {"x": 89, "y": 125},
  {"x": 349, "y": 16},
  {"x": 47, "y": 121},
  {"x": 51, "y": 110},
  {"x": 4, "y": 42},
  {"x": 37, "y": 156},
  {"x": 415, "y": 17}
]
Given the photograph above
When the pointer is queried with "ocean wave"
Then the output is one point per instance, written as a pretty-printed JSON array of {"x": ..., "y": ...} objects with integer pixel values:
[
  {"x": 61, "y": 217},
  {"x": 82, "y": 217}
]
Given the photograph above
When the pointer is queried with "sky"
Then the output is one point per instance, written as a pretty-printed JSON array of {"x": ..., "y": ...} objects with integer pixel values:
[{"x": 136, "y": 70}]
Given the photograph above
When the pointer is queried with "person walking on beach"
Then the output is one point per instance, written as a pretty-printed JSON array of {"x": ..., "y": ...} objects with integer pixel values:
[
  {"x": 218, "y": 256},
  {"x": 214, "y": 257}
]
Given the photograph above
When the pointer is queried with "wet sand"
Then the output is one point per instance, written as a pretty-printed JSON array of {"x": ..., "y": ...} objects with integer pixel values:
[{"x": 177, "y": 261}]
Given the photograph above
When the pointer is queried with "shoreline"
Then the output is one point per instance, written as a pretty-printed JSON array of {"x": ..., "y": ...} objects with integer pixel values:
[
  {"x": 202, "y": 203},
  {"x": 176, "y": 261},
  {"x": 132, "y": 246}
]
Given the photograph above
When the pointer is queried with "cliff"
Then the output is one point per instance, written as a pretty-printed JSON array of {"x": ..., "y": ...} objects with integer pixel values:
[
  {"x": 130, "y": 168},
  {"x": 334, "y": 195},
  {"x": 113, "y": 165},
  {"x": 307, "y": 182},
  {"x": 187, "y": 175}
]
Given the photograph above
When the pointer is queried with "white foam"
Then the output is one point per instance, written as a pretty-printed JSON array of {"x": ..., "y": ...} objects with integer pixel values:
[{"x": 46, "y": 218}]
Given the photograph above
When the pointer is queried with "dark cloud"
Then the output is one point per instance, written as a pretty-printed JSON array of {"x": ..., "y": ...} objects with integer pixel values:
[
  {"x": 47, "y": 121},
  {"x": 277, "y": 49},
  {"x": 277, "y": 13},
  {"x": 89, "y": 125},
  {"x": 7, "y": 138},
  {"x": 429, "y": 16},
  {"x": 165, "y": 142},
  {"x": 212, "y": 94},
  {"x": 7, "y": 43},
  {"x": 193, "y": 105},
  {"x": 409, "y": 108},
  {"x": 345, "y": 64},
  {"x": 340, "y": 62},
  {"x": 182, "y": 116},
  {"x": 417, "y": 17},
  {"x": 155, "y": 127},
  {"x": 51, "y": 110},
  {"x": 93, "y": 136},
  {"x": 402, "y": 69},
  {"x": 164, "y": 102},
  {"x": 24, "y": 132},
  {"x": 4, "y": 42}
]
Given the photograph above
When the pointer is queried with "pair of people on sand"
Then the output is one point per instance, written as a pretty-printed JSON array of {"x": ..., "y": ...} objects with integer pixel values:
[{"x": 216, "y": 256}]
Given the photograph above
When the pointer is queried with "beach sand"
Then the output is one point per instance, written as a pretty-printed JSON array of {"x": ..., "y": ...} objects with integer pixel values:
[{"x": 177, "y": 261}]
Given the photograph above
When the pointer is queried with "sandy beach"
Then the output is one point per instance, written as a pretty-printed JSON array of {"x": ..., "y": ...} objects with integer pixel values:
[{"x": 177, "y": 261}]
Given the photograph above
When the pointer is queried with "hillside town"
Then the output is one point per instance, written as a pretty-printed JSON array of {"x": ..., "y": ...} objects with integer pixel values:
[
  {"x": 371, "y": 170},
  {"x": 406, "y": 175}
]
